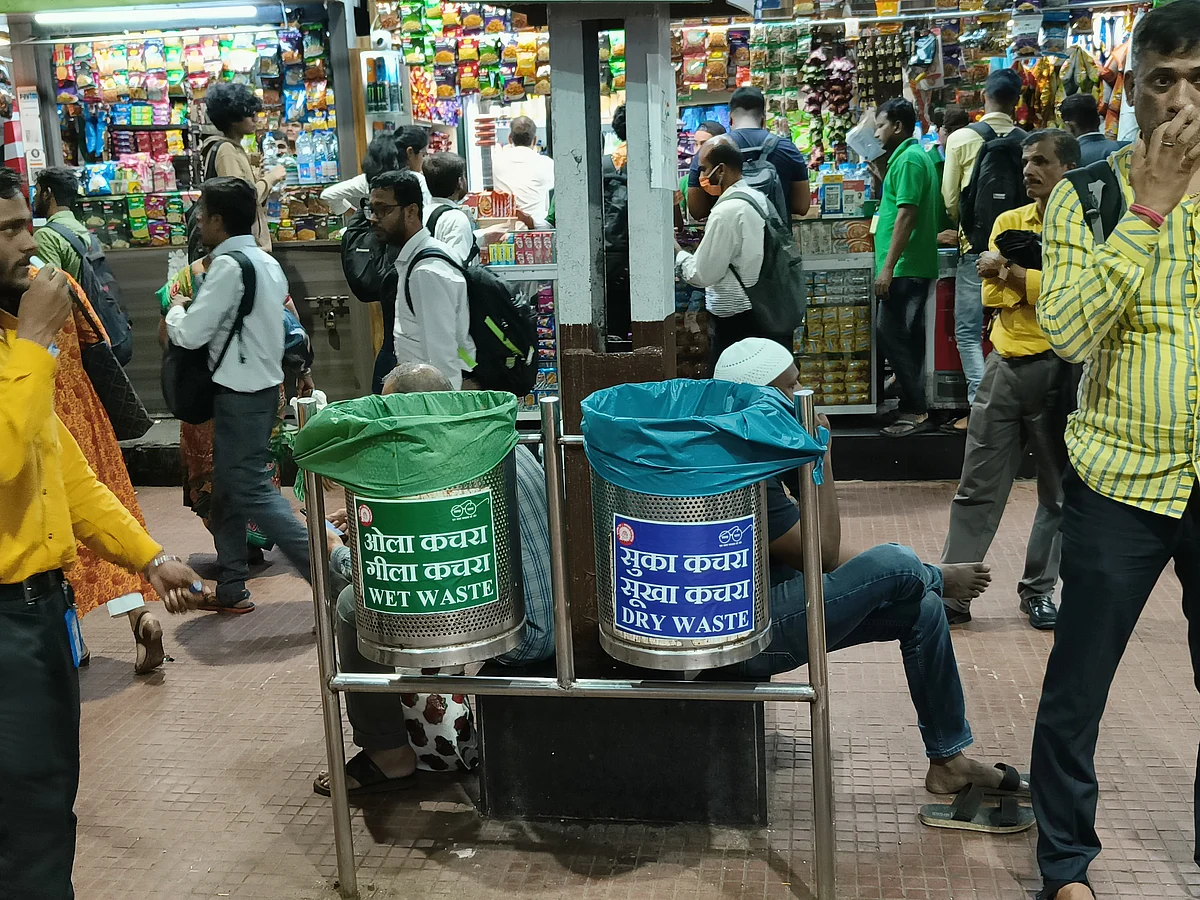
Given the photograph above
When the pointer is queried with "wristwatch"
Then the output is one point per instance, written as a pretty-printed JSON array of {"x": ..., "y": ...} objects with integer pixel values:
[{"x": 158, "y": 561}]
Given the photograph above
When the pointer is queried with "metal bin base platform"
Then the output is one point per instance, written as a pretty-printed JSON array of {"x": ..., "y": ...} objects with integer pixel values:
[{"x": 677, "y": 761}]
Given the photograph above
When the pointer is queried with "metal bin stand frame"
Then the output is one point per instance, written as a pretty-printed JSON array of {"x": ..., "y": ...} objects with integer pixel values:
[{"x": 333, "y": 681}]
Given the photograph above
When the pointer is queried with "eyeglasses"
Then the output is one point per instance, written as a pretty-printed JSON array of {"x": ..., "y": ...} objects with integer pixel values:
[{"x": 377, "y": 211}]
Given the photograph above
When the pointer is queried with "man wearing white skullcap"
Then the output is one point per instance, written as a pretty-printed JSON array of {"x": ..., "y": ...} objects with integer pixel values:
[{"x": 883, "y": 594}]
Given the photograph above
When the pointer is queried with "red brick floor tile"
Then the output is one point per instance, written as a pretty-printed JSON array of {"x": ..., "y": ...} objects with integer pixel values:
[{"x": 197, "y": 781}]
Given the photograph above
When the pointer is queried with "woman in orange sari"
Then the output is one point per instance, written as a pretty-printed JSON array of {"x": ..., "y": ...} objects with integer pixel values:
[{"x": 95, "y": 580}]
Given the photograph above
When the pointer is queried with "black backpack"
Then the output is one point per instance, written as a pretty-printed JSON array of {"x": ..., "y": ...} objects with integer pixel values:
[
  {"x": 780, "y": 297},
  {"x": 437, "y": 213},
  {"x": 1100, "y": 195},
  {"x": 187, "y": 383},
  {"x": 616, "y": 206},
  {"x": 369, "y": 266},
  {"x": 997, "y": 185},
  {"x": 100, "y": 286},
  {"x": 208, "y": 169},
  {"x": 759, "y": 173},
  {"x": 503, "y": 326}
]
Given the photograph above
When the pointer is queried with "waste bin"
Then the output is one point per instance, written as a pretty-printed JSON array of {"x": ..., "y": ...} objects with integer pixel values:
[
  {"x": 430, "y": 483},
  {"x": 680, "y": 517}
]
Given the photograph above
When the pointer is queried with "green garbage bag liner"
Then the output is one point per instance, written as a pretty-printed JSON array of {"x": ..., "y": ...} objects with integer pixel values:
[
  {"x": 407, "y": 444},
  {"x": 686, "y": 438}
]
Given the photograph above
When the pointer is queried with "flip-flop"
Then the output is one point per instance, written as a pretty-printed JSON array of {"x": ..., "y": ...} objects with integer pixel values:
[
  {"x": 967, "y": 813},
  {"x": 904, "y": 428},
  {"x": 371, "y": 779},
  {"x": 951, "y": 426},
  {"x": 1013, "y": 783},
  {"x": 150, "y": 653}
]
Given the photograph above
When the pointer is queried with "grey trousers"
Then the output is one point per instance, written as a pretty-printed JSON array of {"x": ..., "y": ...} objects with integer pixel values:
[
  {"x": 1014, "y": 407},
  {"x": 242, "y": 490},
  {"x": 377, "y": 719}
]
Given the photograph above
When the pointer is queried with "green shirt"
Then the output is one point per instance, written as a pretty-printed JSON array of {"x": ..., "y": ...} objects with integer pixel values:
[
  {"x": 52, "y": 247},
  {"x": 911, "y": 180}
]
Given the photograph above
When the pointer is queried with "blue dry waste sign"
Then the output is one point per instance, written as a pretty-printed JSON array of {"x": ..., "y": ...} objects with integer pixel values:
[{"x": 684, "y": 580}]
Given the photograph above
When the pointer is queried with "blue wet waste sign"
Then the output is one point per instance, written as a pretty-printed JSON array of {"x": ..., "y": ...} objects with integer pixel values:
[{"x": 676, "y": 580}]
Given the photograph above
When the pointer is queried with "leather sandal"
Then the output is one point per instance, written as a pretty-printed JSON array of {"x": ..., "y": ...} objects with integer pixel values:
[{"x": 147, "y": 635}]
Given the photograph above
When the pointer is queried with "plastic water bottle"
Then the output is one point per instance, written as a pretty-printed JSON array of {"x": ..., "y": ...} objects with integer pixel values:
[
  {"x": 270, "y": 153},
  {"x": 330, "y": 169},
  {"x": 304, "y": 158},
  {"x": 318, "y": 149}
]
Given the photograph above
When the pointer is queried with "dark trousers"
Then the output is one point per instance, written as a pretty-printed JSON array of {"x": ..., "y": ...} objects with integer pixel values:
[
  {"x": 901, "y": 330},
  {"x": 385, "y": 360},
  {"x": 1015, "y": 409},
  {"x": 725, "y": 331},
  {"x": 242, "y": 490},
  {"x": 1112, "y": 556},
  {"x": 39, "y": 748},
  {"x": 376, "y": 719}
]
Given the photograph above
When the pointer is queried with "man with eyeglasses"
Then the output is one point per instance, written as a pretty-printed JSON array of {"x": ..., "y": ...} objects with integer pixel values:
[{"x": 432, "y": 313}]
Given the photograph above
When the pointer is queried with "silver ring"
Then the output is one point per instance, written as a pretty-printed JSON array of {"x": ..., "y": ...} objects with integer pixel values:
[{"x": 1167, "y": 143}]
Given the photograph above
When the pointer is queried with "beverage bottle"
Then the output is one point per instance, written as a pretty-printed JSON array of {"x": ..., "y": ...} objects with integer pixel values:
[
  {"x": 330, "y": 172},
  {"x": 304, "y": 157},
  {"x": 318, "y": 147}
]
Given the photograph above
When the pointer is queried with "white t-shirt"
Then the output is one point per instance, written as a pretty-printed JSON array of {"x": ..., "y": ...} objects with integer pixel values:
[{"x": 528, "y": 176}]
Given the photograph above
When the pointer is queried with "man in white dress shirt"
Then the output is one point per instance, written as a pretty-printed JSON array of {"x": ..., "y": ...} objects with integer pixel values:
[
  {"x": 729, "y": 258},
  {"x": 247, "y": 366},
  {"x": 519, "y": 169},
  {"x": 448, "y": 220},
  {"x": 432, "y": 314}
]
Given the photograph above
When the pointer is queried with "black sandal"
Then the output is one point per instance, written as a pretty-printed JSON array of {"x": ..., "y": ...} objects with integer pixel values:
[
  {"x": 371, "y": 779},
  {"x": 967, "y": 813}
]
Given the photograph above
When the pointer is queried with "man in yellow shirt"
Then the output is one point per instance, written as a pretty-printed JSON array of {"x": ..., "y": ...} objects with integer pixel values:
[
  {"x": 1002, "y": 92},
  {"x": 1015, "y": 402},
  {"x": 50, "y": 498},
  {"x": 1124, "y": 305}
]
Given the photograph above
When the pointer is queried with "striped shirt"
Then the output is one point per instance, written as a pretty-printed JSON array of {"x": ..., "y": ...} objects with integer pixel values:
[
  {"x": 734, "y": 237},
  {"x": 1126, "y": 309},
  {"x": 537, "y": 643}
]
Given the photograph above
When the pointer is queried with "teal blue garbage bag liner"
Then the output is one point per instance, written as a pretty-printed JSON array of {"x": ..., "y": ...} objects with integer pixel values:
[{"x": 686, "y": 438}]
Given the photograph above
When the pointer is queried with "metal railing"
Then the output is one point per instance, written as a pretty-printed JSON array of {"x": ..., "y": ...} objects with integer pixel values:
[{"x": 565, "y": 684}]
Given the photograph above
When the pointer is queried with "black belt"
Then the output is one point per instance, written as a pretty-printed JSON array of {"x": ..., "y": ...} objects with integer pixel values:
[
  {"x": 40, "y": 585},
  {"x": 1024, "y": 360}
]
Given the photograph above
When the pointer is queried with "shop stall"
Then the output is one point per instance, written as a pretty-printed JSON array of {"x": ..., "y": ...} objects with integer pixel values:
[{"x": 129, "y": 115}]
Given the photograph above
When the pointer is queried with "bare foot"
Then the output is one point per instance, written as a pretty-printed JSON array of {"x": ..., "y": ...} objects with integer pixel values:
[
  {"x": 1074, "y": 892},
  {"x": 949, "y": 776},
  {"x": 965, "y": 581}
]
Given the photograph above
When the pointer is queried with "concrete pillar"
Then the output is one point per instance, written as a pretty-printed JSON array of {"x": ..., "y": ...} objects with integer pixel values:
[{"x": 584, "y": 366}]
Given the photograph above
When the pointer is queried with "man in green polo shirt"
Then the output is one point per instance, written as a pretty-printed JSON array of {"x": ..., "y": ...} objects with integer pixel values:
[
  {"x": 54, "y": 200},
  {"x": 906, "y": 259}
]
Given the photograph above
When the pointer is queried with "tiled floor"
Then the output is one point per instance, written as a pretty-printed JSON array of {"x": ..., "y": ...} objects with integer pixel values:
[{"x": 197, "y": 782}]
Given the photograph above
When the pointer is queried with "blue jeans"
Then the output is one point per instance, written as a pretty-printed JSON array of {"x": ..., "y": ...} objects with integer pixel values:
[
  {"x": 884, "y": 594},
  {"x": 968, "y": 321}
]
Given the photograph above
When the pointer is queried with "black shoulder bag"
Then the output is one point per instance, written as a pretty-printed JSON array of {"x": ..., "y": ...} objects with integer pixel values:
[{"x": 187, "y": 381}]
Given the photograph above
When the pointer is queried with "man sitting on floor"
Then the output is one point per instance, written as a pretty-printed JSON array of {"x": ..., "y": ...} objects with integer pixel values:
[
  {"x": 387, "y": 759},
  {"x": 883, "y": 594}
]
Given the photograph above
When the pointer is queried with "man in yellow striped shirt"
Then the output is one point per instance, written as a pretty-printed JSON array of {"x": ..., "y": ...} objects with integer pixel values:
[
  {"x": 50, "y": 497},
  {"x": 1125, "y": 307},
  {"x": 1021, "y": 382}
]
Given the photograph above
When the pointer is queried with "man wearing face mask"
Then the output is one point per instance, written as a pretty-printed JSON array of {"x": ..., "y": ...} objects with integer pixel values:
[
  {"x": 730, "y": 256},
  {"x": 433, "y": 327}
]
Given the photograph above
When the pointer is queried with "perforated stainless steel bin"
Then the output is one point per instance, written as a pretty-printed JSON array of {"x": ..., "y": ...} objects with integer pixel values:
[
  {"x": 437, "y": 576},
  {"x": 656, "y": 557}
]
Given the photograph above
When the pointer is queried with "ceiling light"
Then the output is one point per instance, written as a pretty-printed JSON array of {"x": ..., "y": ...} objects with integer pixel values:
[{"x": 141, "y": 15}]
